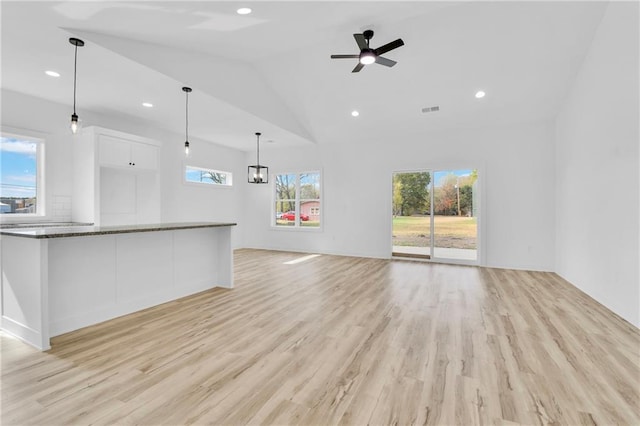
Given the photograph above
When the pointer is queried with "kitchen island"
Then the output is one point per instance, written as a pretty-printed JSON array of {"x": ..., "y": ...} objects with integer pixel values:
[{"x": 60, "y": 279}]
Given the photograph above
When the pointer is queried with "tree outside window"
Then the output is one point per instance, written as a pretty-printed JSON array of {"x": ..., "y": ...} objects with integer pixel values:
[
  {"x": 297, "y": 200},
  {"x": 207, "y": 176}
]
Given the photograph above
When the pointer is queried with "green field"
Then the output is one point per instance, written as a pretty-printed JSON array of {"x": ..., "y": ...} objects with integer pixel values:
[{"x": 449, "y": 231}]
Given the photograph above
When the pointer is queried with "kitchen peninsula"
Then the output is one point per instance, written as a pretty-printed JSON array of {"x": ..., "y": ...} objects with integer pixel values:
[{"x": 59, "y": 279}]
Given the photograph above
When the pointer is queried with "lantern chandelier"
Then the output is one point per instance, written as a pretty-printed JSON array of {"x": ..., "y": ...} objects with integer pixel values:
[{"x": 258, "y": 173}]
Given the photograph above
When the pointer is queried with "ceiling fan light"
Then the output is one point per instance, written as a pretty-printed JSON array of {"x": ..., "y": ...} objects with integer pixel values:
[
  {"x": 367, "y": 55},
  {"x": 367, "y": 58}
]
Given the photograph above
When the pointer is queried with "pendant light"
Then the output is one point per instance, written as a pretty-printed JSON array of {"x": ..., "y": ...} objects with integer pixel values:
[
  {"x": 75, "y": 123},
  {"x": 258, "y": 173},
  {"x": 186, "y": 90}
]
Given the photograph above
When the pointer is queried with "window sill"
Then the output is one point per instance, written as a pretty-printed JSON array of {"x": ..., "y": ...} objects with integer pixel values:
[
  {"x": 23, "y": 218},
  {"x": 296, "y": 228},
  {"x": 206, "y": 185}
]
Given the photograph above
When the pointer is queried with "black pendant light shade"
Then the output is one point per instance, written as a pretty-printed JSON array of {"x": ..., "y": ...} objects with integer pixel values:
[
  {"x": 75, "y": 123},
  {"x": 258, "y": 173},
  {"x": 186, "y": 90}
]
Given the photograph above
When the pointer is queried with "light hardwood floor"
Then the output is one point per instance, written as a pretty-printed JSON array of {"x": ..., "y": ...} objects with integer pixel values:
[{"x": 340, "y": 340}]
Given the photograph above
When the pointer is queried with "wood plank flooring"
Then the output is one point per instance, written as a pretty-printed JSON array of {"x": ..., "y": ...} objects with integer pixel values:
[{"x": 340, "y": 340}]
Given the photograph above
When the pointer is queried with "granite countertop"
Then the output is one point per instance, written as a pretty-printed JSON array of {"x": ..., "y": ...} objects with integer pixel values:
[{"x": 82, "y": 231}]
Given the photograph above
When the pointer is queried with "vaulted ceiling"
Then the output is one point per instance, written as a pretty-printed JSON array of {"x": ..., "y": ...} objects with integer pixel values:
[{"x": 270, "y": 71}]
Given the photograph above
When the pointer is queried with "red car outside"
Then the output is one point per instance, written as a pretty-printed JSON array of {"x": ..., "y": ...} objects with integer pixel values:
[{"x": 292, "y": 216}]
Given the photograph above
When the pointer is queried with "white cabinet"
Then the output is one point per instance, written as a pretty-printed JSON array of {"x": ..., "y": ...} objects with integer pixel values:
[
  {"x": 144, "y": 156},
  {"x": 118, "y": 152},
  {"x": 115, "y": 178}
]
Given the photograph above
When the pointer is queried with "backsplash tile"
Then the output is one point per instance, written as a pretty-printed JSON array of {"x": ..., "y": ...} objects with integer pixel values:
[{"x": 61, "y": 208}]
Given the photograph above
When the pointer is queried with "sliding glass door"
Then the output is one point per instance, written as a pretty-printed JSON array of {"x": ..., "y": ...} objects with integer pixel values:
[
  {"x": 411, "y": 214},
  {"x": 435, "y": 214},
  {"x": 455, "y": 219}
]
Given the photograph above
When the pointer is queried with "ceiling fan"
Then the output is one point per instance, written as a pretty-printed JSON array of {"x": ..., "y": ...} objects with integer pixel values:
[{"x": 368, "y": 55}]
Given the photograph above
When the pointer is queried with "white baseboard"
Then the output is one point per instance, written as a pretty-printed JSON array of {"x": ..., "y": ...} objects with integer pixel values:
[{"x": 25, "y": 333}]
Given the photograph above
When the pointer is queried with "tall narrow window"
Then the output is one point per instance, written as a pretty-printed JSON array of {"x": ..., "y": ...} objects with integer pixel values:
[
  {"x": 21, "y": 188},
  {"x": 297, "y": 200},
  {"x": 310, "y": 199}
]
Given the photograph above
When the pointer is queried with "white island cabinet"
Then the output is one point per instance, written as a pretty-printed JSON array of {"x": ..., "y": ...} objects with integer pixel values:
[{"x": 56, "y": 280}]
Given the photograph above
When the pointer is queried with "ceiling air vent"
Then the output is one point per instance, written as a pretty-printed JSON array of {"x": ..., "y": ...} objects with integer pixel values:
[{"x": 431, "y": 109}]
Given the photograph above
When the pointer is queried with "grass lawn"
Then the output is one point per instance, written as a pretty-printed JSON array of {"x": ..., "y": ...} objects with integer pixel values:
[{"x": 450, "y": 231}]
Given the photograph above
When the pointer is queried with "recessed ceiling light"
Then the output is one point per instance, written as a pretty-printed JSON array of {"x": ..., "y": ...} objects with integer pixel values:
[
  {"x": 355, "y": 113},
  {"x": 480, "y": 94},
  {"x": 147, "y": 104},
  {"x": 244, "y": 11},
  {"x": 52, "y": 73}
]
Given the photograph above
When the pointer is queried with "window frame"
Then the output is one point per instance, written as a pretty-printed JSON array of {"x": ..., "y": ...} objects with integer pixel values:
[
  {"x": 274, "y": 199},
  {"x": 41, "y": 193},
  {"x": 206, "y": 184}
]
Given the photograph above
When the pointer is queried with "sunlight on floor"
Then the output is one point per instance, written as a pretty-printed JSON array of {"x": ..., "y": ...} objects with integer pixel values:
[{"x": 301, "y": 259}]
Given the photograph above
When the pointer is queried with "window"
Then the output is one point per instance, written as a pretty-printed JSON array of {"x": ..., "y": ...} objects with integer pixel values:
[
  {"x": 207, "y": 176},
  {"x": 297, "y": 200},
  {"x": 21, "y": 188}
]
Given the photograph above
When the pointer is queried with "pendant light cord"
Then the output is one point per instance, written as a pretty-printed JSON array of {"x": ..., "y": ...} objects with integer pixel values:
[
  {"x": 258, "y": 146},
  {"x": 187, "y": 117},
  {"x": 75, "y": 72}
]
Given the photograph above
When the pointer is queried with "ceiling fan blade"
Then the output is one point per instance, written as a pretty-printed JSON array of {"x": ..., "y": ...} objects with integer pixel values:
[
  {"x": 384, "y": 61},
  {"x": 389, "y": 46},
  {"x": 344, "y": 56},
  {"x": 362, "y": 42},
  {"x": 358, "y": 67}
]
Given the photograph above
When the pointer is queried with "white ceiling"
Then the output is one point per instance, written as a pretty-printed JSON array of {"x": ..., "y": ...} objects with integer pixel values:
[{"x": 270, "y": 71}]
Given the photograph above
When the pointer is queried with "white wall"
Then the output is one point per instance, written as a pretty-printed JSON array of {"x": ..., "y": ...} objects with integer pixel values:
[
  {"x": 597, "y": 169},
  {"x": 179, "y": 201},
  {"x": 193, "y": 202},
  {"x": 516, "y": 167}
]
